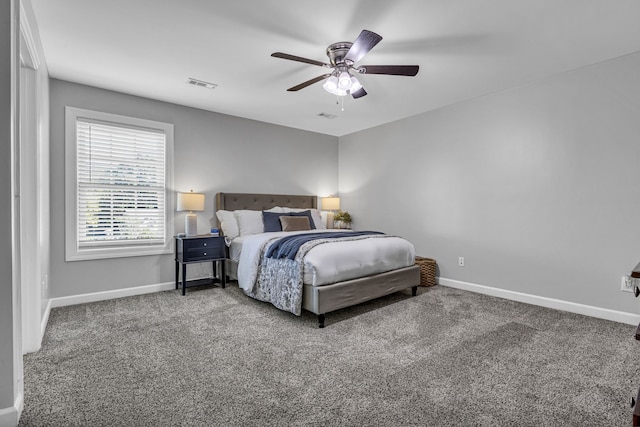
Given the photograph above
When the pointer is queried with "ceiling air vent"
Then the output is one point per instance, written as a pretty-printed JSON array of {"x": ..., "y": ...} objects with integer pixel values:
[
  {"x": 200, "y": 83},
  {"x": 327, "y": 115}
]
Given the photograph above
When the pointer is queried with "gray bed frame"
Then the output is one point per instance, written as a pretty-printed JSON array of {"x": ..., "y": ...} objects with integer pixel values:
[{"x": 323, "y": 299}]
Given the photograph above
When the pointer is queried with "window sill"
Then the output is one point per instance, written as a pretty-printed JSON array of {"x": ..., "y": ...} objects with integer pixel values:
[{"x": 107, "y": 253}]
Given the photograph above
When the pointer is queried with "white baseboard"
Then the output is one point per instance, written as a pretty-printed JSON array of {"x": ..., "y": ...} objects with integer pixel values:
[
  {"x": 572, "y": 307},
  {"x": 105, "y": 295},
  {"x": 9, "y": 417}
]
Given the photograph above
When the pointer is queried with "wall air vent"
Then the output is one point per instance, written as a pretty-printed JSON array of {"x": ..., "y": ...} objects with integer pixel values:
[
  {"x": 327, "y": 116},
  {"x": 200, "y": 83}
]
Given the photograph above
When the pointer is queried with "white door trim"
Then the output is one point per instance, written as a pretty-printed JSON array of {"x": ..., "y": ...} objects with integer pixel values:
[{"x": 27, "y": 191}]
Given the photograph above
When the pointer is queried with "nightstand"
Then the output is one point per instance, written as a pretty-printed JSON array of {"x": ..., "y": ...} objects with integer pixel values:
[{"x": 204, "y": 248}]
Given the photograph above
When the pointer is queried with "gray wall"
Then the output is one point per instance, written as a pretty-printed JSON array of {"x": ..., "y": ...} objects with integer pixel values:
[
  {"x": 537, "y": 186},
  {"x": 213, "y": 153}
]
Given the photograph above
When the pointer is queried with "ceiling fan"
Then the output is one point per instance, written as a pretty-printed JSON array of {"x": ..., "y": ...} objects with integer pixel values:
[{"x": 343, "y": 57}]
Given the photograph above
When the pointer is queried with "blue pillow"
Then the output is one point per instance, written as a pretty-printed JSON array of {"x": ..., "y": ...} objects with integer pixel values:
[
  {"x": 271, "y": 221},
  {"x": 303, "y": 213}
]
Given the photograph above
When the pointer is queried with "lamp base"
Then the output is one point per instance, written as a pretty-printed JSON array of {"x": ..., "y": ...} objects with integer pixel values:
[
  {"x": 330, "y": 223},
  {"x": 191, "y": 225}
]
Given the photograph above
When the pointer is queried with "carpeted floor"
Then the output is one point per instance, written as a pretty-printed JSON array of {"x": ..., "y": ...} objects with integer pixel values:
[{"x": 218, "y": 358}]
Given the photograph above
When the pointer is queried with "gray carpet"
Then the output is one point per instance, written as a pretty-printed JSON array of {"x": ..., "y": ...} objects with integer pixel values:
[{"x": 216, "y": 357}]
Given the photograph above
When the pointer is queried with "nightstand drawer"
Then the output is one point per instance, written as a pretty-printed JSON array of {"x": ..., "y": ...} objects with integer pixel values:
[
  {"x": 200, "y": 249},
  {"x": 204, "y": 243},
  {"x": 193, "y": 254}
]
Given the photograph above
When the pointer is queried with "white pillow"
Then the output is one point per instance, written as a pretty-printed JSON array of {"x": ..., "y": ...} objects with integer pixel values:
[
  {"x": 276, "y": 209},
  {"x": 315, "y": 214},
  {"x": 228, "y": 224},
  {"x": 249, "y": 222}
]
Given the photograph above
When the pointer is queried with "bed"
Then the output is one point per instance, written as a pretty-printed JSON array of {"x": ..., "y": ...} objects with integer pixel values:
[{"x": 317, "y": 296}]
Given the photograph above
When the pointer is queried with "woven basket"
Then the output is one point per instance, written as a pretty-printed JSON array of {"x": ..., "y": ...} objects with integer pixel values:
[{"x": 427, "y": 271}]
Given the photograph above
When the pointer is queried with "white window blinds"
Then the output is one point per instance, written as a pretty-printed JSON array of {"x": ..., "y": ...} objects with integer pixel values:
[{"x": 121, "y": 184}]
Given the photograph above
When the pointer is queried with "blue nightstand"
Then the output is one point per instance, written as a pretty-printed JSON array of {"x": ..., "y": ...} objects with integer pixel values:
[{"x": 205, "y": 248}]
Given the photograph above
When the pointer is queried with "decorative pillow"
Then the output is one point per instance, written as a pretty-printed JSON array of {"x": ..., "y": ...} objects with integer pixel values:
[
  {"x": 271, "y": 221},
  {"x": 306, "y": 213},
  {"x": 249, "y": 222},
  {"x": 315, "y": 215},
  {"x": 321, "y": 224},
  {"x": 295, "y": 223},
  {"x": 228, "y": 224}
]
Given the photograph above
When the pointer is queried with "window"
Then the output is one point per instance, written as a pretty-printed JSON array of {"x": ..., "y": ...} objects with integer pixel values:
[{"x": 118, "y": 181}]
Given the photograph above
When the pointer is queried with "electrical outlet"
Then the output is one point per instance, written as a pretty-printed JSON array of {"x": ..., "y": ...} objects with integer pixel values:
[
  {"x": 461, "y": 261},
  {"x": 626, "y": 284}
]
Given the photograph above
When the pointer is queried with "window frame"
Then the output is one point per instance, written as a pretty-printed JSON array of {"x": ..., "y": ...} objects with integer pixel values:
[{"x": 73, "y": 250}]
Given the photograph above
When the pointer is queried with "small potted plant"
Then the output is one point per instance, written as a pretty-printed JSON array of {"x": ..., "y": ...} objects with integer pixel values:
[{"x": 342, "y": 219}]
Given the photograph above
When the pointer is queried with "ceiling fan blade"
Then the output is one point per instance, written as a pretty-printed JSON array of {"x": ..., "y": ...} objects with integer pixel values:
[
  {"x": 300, "y": 59},
  {"x": 363, "y": 44},
  {"x": 308, "y": 83},
  {"x": 359, "y": 93},
  {"x": 393, "y": 70}
]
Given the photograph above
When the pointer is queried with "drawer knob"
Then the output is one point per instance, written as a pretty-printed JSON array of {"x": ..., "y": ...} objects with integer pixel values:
[
  {"x": 205, "y": 254},
  {"x": 205, "y": 244}
]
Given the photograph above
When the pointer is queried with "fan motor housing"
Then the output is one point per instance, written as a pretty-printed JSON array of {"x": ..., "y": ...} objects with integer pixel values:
[{"x": 337, "y": 51}]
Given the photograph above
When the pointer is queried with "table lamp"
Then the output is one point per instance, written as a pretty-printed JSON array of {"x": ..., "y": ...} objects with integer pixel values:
[
  {"x": 192, "y": 202},
  {"x": 331, "y": 204}
]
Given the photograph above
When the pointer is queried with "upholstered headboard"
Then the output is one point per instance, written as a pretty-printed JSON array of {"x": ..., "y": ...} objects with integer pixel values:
[{"x": 260, "y": 202}]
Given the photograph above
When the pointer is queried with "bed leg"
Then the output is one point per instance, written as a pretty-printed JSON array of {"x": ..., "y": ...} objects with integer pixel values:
[
  {"x": 414, "y": 291},
  {"x": 320, "y": 320}
]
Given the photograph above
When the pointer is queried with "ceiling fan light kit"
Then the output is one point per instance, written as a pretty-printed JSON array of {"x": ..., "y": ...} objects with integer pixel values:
[
  {"x": 342, "y": 58},
  {"x": 341, "y": 86}
]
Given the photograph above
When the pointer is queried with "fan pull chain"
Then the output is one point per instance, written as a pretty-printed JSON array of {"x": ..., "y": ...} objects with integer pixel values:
[{"x": 340, "y": 100}]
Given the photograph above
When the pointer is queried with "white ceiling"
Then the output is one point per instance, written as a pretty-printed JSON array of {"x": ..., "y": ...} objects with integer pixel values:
[{"x": 465, "y": 49}]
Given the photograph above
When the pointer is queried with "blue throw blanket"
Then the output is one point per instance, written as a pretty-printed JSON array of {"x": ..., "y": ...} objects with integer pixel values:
[{"x": 288, "y": 246}]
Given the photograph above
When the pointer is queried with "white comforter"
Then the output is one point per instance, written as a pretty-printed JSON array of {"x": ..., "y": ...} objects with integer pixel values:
[{"x": 330, "y": 262}]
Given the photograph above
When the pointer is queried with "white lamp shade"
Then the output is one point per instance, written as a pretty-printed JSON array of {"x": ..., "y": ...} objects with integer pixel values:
[
  {"x": 193, "y": 202},
  {"x": 344, "y": 81},
  {"x": 331, "y": 84},
  {"x": 355, "y": 85},
  {"x": 330, "y": 203}
]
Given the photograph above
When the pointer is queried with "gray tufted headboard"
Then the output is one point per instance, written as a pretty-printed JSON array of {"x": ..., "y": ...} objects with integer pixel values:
[{"x": 260, "y": 202}]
